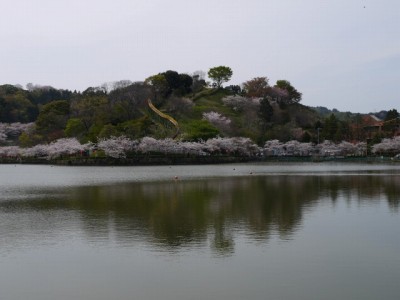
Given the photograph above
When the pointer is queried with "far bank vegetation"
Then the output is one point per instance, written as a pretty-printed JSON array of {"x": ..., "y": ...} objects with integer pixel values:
[{"x": 267, "y": 116}]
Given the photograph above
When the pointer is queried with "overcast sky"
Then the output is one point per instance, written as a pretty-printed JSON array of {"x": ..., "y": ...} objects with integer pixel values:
[{"x": 342, "y": 54}]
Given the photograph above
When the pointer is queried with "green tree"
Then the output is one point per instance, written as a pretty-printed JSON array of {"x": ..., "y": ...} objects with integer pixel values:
[
  {"x": 29, "y": 139},
  {"x": 159, "y": 83},
  {"x": 15, "y": 106},
  {"x": 201, "y": 130},
  {"x": 178, "y": 83},
  {"x": 137, "y": 128},
  {"x": 75, "y": 128},
  {"x": 170, "y": 82},
  {"x": 293, "y": 96},
  {"x": 220, "y": 75},
  {"x": 127, "y": 103},
  {"x": 330, "y": 128},
  {"x": 173, "y": 79},
  {"x": 108, "y": 130},
  {"x": 186, "y": 82},
  {"x": 92, "y": 109},
  {"x": 306, "y": 138},
  {"x": 52, "y": 119},
  {"x": 266, "y": 110},
  {"x": 391, "y": 121}
]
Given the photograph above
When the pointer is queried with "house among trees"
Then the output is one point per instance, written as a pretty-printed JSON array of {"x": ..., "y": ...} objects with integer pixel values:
[
  {"x": 388, "y": 127},
  {"x": 372, "y": 124}
]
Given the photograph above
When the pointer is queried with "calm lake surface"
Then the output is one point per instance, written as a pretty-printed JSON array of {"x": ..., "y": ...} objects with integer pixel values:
[{"x": 238, "y": 231}]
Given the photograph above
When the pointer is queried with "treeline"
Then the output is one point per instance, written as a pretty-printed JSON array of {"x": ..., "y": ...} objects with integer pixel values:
[
  {"x": 235, "y": 148},
  {"x": 203, "y": 110}
]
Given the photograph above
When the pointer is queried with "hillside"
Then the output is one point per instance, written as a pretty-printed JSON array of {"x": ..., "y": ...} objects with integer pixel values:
[{"x": 181, "y": 106}]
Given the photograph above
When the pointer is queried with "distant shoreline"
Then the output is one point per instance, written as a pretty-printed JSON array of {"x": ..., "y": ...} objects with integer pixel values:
[{"x": 179, "y": 160}]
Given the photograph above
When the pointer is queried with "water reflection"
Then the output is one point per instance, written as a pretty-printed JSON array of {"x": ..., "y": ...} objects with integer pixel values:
[{"x": 177, "y": 214}]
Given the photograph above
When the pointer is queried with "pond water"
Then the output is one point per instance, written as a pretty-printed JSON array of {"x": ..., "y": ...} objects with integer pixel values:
[{"x": 236, "y": 231}]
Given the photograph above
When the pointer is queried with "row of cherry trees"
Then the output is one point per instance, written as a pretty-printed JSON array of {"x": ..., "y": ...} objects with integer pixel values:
[
  {"x": 327, "y": 148},
  {"x": 120, "y": 147}
]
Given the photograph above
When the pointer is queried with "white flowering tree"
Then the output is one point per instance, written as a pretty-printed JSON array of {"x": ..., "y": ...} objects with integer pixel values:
[
  {"x": 149, "y": 144},
  {"x": 218, "y": 120},
  {"x": 328, "y": 148},
  {"x": 170, "y": 146},
  {"x": 361, "y": 149},
  {"x": 235, "y": 145},
  {"x": 10, "y": 151},
  {"x": 13, "y": 130},
  {"x": 66, "y": 146},
  {"x": 36, "y": 151},
  {"x": 387, "y": 146},
  {"x": 274, "y": 148},
  {"x": 239, "y": 103},
  {"x": 296, "y": 148},
  {"x": 346, "y": 148},
  {"x": 290, "y": 148},
  {"x": 117, "y": 147},
  {"x": 194, "y": 148},
  {"x": 58, "y": 148}
]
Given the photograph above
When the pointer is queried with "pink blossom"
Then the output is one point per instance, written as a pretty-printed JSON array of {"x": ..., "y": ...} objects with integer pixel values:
[
  {"x": 239, "y": 103},
  {"x": 387, "y": 146},
  {"x": 10, "y": 151},
  {"x": 117, "y": 147},
  {"x": 218, "y": 120}
]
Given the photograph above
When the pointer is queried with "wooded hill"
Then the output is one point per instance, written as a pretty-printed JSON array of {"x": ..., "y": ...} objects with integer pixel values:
[{"x": 201, "y": 110}]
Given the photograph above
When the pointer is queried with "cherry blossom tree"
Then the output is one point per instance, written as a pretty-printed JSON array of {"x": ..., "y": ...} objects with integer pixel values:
[
  {"x": 240, "y": 103},
  {"x": 148, "y": 144},
  {"x": 387, "y": 146},
  {"x": 327, "y": 148},
  {"x": 194, "y": 148},
  {"x": 236, "y": 145},
  {"x": 13, "y": 130},
  {"x": 360, "y": 149},
  {"x": 274, "y": 148},
  {"x": 256, "y": 87},
  {"x": 170, "y": 146},
  {"x": 218, "y": 120},
  {"x": 296, "y": 148},
  {"x": 65, "y": 146},
  {"x": 117, "y": 147},
  {"x": 10, "y": 151},
  {"x": 40, "y": 150},
  {"x": 346, "y": 148}
]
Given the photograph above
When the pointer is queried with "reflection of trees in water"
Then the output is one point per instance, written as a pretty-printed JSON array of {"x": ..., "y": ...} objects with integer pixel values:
[
  {"x": 208, "y": 212},
  {"x": 362, "y": 189},
  {"x": 391, "y": 189},
  {"x": 181, "y": 212}
]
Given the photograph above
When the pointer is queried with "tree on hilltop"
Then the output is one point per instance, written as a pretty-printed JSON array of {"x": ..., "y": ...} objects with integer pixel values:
[
  {"x": 220, "y": 75},
  {"x": 256, "y": 87},
  {"x": 293, "y": 96}
]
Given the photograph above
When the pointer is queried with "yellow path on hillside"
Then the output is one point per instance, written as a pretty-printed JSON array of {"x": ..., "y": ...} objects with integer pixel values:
[{"x": 164, "y": 116}]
